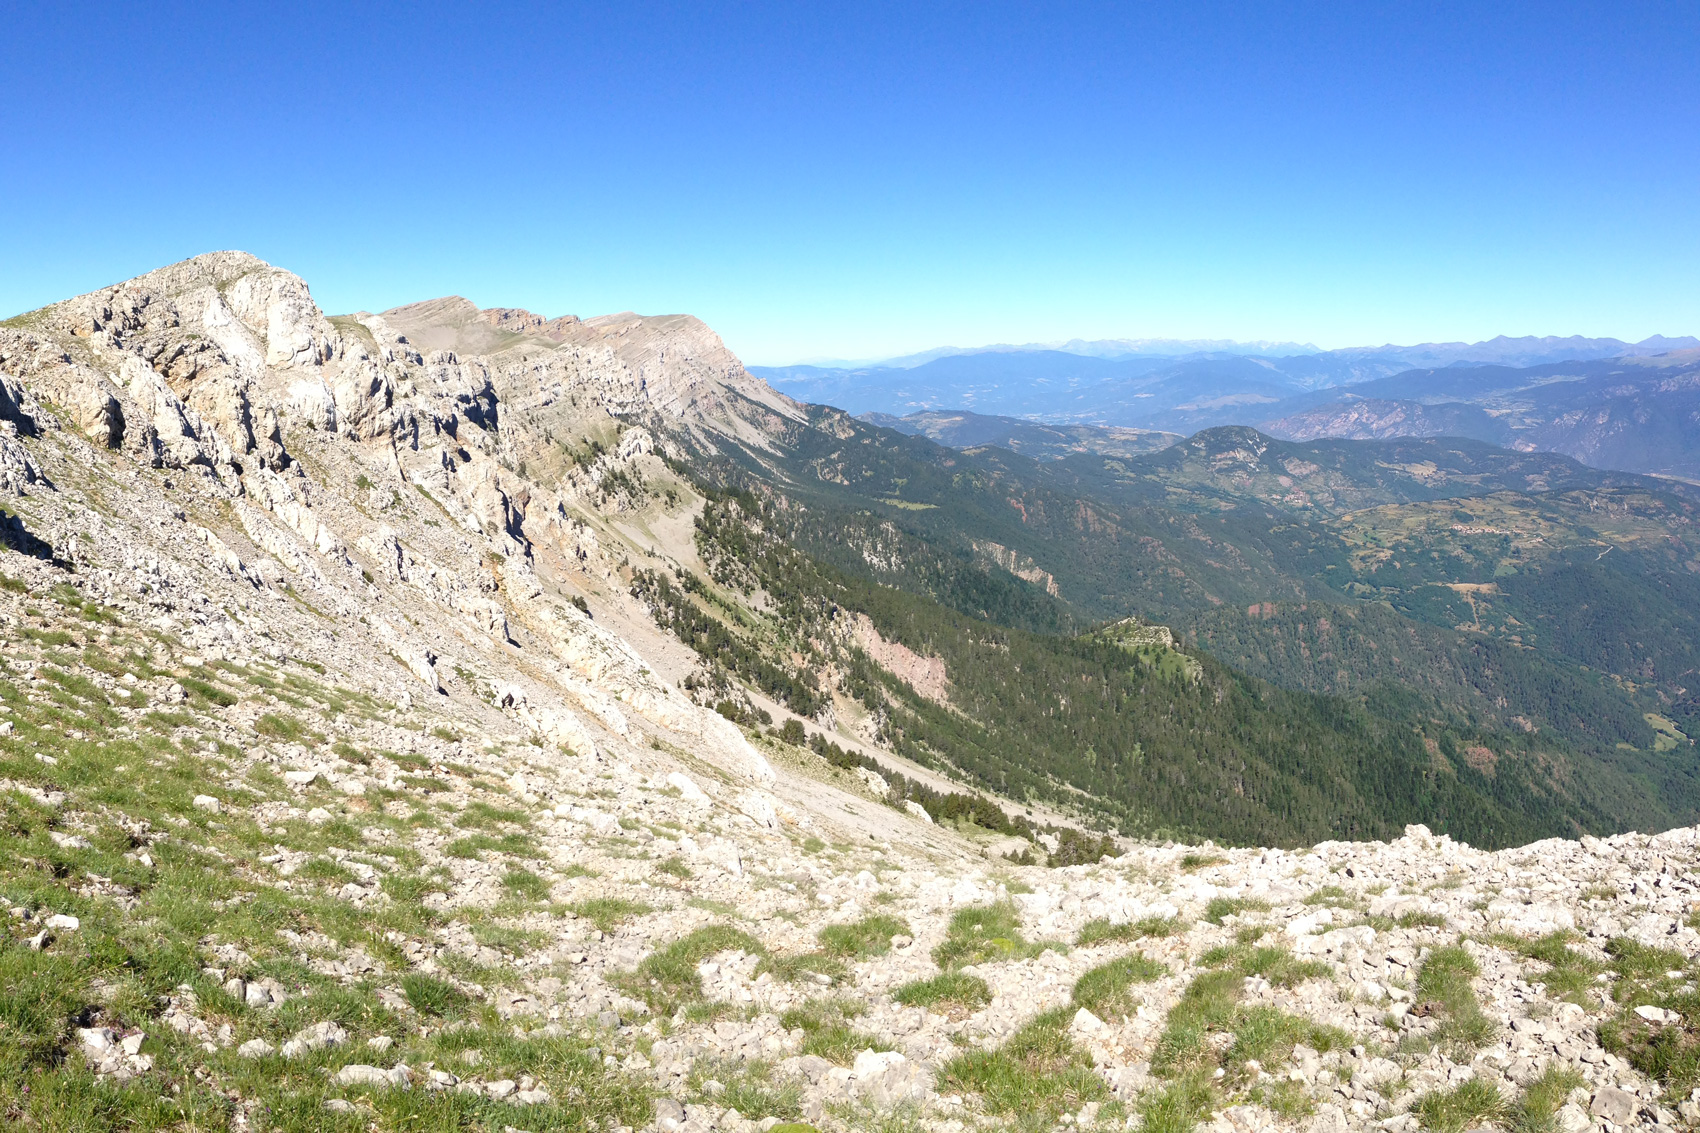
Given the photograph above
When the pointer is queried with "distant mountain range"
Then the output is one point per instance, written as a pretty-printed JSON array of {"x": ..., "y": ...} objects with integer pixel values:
[
  {"x": 1525, "y": 351},
  {"x": 1606, "y": 402},
  {"x": 1633, "y": 414}
]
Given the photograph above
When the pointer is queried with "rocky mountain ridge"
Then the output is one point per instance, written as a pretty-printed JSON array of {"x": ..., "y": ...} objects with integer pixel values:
[{"x": 347, "y": 785}]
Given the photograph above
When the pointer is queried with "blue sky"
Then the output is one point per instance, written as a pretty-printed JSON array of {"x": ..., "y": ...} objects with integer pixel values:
[{"x": 865, "y": 180}]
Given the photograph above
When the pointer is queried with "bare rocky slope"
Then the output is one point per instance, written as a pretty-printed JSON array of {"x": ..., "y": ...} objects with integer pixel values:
[{"x": 347, "y": 786}]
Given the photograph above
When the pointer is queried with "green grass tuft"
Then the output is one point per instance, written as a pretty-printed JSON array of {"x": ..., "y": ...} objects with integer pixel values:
[
  {"x": 1452, "y": 1111},
  {"x": 1104, "y": 990},
  {"x": 1105, "y": 931},
  {"x": 1445, "y": 979},
  {"x": 985, "y": 933},
  {"x": 608, "y": 913},
  {"x": 1657, "y": 977},
  {"x": 281, "y": 727},
  {"x": 1220, "y": 907},
  {"x": 473, "y": 845},
  {"x": 1570, "y": 974},
  {"x": 1273, "y": 963},
  {"x": 524, "y": 883},
  {"x": 870, "y": 936},
  {"x": 430, "y": 995},
  {"x": 947, "y": 990},
  {"x": 797, "y": 967},
  {"x": 206, "y": 693},
  {"x": 667, "y": 979},
  {"x": 1177, "y": 1107},
  {"x": 480, "y": 815},
  {"x": 1034, "y": 1078},
  {"x": 748, "y": 1087},
  {"x": 1537, "y": 1111},
  {"x": 826, "y": 1025}
]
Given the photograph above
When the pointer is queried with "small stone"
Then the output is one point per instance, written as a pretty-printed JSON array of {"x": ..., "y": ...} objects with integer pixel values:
[
  {"x": 95, "y": 1039},
  {"x": 64, "y": 922},
  {"x": 359, "y": 1074},
  {"x": 256, "y": 1048},
  {"x": 206, "y": 803},
  {"x": 1087, "y": 1023},
  {"x": 318, "y": 816},
  {"x": 317, "y": 1037},
  {"x": 338, "y": 1105},
  {"x": 1615, "y": 1105}
]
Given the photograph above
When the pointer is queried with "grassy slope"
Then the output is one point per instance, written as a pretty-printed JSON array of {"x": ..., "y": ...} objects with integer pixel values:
[{"x": 98, "y": 821}]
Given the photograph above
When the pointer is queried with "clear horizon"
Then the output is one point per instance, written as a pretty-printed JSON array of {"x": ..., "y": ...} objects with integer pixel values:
[
  {"x": 1060, "y": 344},
  {"x": 874, "y": 182}
]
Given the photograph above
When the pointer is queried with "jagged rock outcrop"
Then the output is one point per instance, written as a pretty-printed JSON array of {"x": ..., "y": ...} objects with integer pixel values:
[{"x": 209, "y": 363}]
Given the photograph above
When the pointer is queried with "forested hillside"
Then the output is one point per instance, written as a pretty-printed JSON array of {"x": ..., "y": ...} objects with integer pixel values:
[
  {"x": 1350, "y": 650},
  {"x": 1155, "y": 746},
  {"x": 1353, "y": 699}
]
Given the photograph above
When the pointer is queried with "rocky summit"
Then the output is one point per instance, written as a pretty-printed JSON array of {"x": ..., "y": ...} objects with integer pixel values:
[{"x": 349, "y": 783}]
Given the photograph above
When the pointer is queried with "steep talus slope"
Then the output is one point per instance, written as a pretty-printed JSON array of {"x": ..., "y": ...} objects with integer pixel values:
[{"x": 347, "y": 785}]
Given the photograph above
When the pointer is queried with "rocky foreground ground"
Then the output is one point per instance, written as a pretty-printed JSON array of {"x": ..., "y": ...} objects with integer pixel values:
[
  {"x": 239, "y": 887},
  {"x": 345, "y": 788}
]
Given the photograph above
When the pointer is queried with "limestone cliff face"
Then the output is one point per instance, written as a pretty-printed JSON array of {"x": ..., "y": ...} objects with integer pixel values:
[
  {"x": 388, "y": 463},
  {"x": 238, "y": 351},
  {"x": 671, "y": 366}
]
